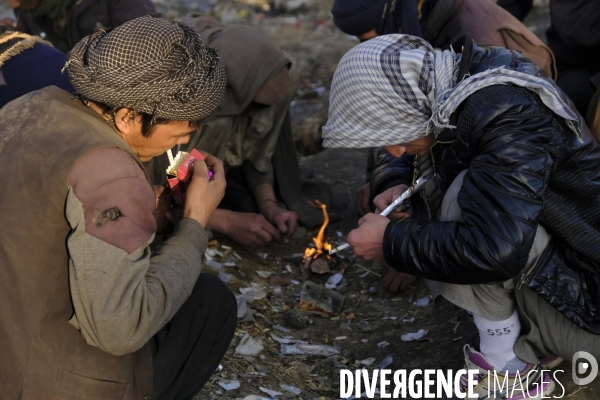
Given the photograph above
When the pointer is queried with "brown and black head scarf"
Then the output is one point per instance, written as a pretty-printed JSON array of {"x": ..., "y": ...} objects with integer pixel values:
[{"x": 149, "y": 65}]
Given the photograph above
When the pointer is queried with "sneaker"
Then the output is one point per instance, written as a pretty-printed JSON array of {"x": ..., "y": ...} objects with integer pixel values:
[
  {"x": 506, "y": 386},
  {"x": 550, "y": 362}
]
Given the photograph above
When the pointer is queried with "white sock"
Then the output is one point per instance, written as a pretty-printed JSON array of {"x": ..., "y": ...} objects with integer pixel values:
[{"x": 497, "y": 339}]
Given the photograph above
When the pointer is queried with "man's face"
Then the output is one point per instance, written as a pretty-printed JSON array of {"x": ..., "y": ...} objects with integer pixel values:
[
  {"x": 418, "y": 146},
  {"x": 162, "y": 138}
]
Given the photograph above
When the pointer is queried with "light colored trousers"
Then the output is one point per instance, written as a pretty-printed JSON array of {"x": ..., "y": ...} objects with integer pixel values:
[{"x": 546, "y": 331}]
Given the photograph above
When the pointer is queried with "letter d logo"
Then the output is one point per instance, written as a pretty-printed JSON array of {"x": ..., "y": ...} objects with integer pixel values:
[{"x": 582, "y": 367}]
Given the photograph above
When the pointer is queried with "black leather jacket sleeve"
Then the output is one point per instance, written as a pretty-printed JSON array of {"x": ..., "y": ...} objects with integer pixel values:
[
  {"x": 390, "y": 171},
  {"x": 501, "y": 199}
]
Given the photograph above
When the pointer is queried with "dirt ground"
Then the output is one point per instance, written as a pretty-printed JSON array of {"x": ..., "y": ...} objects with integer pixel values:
[{"x": 368, "y": 326}]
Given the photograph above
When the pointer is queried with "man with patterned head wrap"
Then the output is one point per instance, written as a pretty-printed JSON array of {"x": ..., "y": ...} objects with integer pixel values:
[
  {"x": 66, "y": 22},
  {"x": 511, "y": 216},
  {"x": 441, "y": 23},
  {"x": 88, "y": 309}
]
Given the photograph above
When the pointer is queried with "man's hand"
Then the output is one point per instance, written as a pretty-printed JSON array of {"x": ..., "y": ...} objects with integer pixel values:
[
  {"x": 285, "y": 221},
  {"x": 388, "y": 197},
  {"x": 363, "y": 195},
  {"x": 395, "y": 281},
  {"x": 367, "y": 239},
  {"x": 245, "y": 228},
  {"x": 9, "y": 22},
  {"x": 204, "y": 195}
]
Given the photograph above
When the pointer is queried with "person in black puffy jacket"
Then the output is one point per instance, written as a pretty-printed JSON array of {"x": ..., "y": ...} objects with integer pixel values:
[{"x": 509, "y": 226}]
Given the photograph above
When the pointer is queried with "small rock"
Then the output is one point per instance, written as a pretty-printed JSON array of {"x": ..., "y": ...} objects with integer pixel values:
[
  {"x": 257, "y": 291},
  {"x": 422, "y": 302},
  {"x": 249, "y": 346},
  {"x": 275, "y": 280},
  {"x": 320, "y": 266},
  {"x": 386, "y": 362},
  {"x": 262, "y": 368},
  {"x": 290, "y": 388},
  {"x": 409, "y": 337},
  {"x": 264, "y": 274},
  {"x": 224, "y": 277},
  {"x": 345, "y": 327},
  {"x": 367, "y": 362},
  {"x": 295, "y": 319},
  {"x": 281, "y": 328},
  {"x": 334, "y": 280},
  {"x": 270, "y": 392},
  {"x": 229, "y": 385},
  {"x": 365, "y": 326}
]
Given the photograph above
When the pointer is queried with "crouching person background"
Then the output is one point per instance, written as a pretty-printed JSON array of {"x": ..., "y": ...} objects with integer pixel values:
[
  {"x": 88, "y": 311},
  {"x": 509, "y": 227}
]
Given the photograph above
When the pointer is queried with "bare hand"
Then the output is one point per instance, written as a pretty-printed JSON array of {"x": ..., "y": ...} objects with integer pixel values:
[
  {"x": 204, "y": 195},
  {"x": 395, "y": 281},
  {"x": 9, "y": 22},
  {"x": 249, "y": 229},
  {"x": 367, "y": 239},
  {"x": 363, "y": 195},
  {"x": 285, "y": 221},
  {"x": 386, "y": 198}
]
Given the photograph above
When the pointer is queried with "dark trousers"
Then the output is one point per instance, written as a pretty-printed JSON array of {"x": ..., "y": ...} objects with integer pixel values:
[{"x": 190, "y": 347}]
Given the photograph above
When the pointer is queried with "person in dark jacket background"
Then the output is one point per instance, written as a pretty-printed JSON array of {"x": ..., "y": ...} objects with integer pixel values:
[
  {"x": 509, "y": 227},
  {"x": 441, "y": 23},
  {"x": 518, "y": 8},
  {"x": 574, "y": 37},
  {"x": 28, "y": 63},
  {"x": 66, "y": 22}
]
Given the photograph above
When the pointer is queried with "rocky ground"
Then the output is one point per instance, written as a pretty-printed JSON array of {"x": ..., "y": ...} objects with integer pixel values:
[{"x": 356, "y": 324}]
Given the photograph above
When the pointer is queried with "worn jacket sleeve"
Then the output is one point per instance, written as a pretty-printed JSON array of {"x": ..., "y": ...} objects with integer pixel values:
[
  {"x": 390, "y": 171},
  {"x": 501, "y": 198},
  {"x": 121, "y": 292}
]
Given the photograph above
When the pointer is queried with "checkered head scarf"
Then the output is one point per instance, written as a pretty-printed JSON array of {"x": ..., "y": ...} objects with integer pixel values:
[
  {"x": 396, "y": 88},
  {"x": 149, "y": 65}
]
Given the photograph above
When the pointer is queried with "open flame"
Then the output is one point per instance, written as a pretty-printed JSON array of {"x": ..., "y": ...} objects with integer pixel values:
[{"x": 320, "y": 241}]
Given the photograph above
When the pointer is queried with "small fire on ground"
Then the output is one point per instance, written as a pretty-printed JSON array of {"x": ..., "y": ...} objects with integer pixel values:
[{"x": 320, "y": 241}]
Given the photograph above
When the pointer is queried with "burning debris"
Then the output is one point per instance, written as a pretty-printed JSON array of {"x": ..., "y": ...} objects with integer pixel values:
[{"x": 320, "y": 246}]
